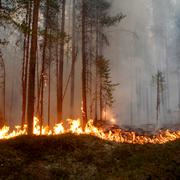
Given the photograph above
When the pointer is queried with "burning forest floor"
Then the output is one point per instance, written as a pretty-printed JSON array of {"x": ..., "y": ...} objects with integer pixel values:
[{"x": 69, "y": 156}]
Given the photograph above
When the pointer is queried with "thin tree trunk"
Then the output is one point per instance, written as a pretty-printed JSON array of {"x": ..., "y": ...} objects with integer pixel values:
[
  {"x": 25, "y": 64},
  {"x": 73, "y": 62},
  {"x": 100, "y": 79},
  {"x": 158, "y": 100},
  {"x": 49, "y": 90},
  {"x": 57, "y": 75},
  {"x": 178, "y": 77},
  {"x": 4, "y": 92},
  {"x": 43, "y": 66},
  {"x": 2, "y": 65},
  {"x": 90, "y": 69},
  {"x": 23, "y": 83},
  {"x": 61, "y": 64},
  {"x": 97, "y": 54},
  {"x": 101, "y": 100},
  {"x": 32, "y": 68},
  {"x": 84, "y": 64},
  {"x": 38, "y": 88}
]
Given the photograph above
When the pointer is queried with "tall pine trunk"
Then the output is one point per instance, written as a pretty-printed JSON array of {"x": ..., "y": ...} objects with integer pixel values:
[
  {"x": 100, "y": 78},
  {"x": 23, "y": 81},
  {"x": 101, "y": 100},
  {"x": 25, "y": 63},
  {"x": 84, "y": 66},
  {"x": 43, "y": 66},
  {"x": 73, "y": 62},
  {"x": 61, "y": 64},
  {"x": 32, "y": 67},
  {"x": 49, "y": 78},
  {"x": 90, "y": 71},
  {"x": 3, "y": 76},
  {"x": 158, "y": 100},
  {"x": 97, "y": 54}
]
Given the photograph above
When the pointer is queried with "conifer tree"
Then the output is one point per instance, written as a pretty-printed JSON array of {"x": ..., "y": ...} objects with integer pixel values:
[
  {"x": 32, "y": 67},
  {"x": 160, "y": 83}
]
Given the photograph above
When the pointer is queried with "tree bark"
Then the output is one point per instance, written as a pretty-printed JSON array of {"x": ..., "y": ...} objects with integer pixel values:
[
  {"x": 158, "y": 100},
  {"x": 97, "y": 54},
  {"x": 49, "y": 78},
  {"x": 61, "y": 64},
  {"x": 84, "y": 65},
  {"x": 43, "y": 66},
  {"x": 73, "y": 62},
  {"x": 2, "y": 67},
  {"x": 25, "y": 64},
  {"x": 101, "y": 100},
  {"x": 32, "y": 67}
]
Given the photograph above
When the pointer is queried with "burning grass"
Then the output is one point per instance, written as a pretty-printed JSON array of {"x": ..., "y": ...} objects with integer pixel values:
[
  {"x": 68, "y": 152},
  {"x": 106, "y": 133},
  {"x": 71, "y": 156}
]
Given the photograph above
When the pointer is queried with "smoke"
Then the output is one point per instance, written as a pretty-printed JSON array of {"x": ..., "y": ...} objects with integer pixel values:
[{"x": 146, "y": 41}]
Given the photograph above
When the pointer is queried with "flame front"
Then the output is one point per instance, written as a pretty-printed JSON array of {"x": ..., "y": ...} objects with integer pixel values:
[{"x": 74, "y": 126}]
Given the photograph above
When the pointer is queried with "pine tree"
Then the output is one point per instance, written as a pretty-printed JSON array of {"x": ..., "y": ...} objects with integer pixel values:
[
  {"x": 84, "y": 65},
  {"x": 32, "y": 67},
  {"x": 74, "y": 52},
  {"x": 3, "y": 87},
  {"x": 25, "y": 63},
  {"x": 61, "y": 64},
  {"x": 159, "y": 82},
  {"x": 106, "y": 86}
]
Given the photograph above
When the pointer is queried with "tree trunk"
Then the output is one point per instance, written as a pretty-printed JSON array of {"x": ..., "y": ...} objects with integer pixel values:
[
  {"x": 101, "y": 100},
  {"x": 73, "y": 62},
  {"x": 61, "y": 64},
  {"x": 57, "y": 75},
  {"x": 49, "y": 78},
  {"x": 23, "y": 82},
  {"x": 25, "y": 64},
  {"x": 38, "y": 80},
  {"x": 90, "y": 70},
  {"x": 32, "y": 67},
  {"x": 178, "y": 78},
  {"x": 100, "y": 43},
  {"x": 3, "y": 83},
  {"x": 97, "y": 54},
  {"x": 84, "y": 64},
  {"x": 43, "y": 66},
  {"x": 158, "y": 100}
]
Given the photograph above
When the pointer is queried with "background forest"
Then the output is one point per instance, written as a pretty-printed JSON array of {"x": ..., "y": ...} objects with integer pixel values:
[{"x": 116, "y": 59}]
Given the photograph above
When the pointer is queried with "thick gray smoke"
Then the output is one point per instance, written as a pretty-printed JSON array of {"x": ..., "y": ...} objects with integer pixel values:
[{"x": 145, "y": 42}]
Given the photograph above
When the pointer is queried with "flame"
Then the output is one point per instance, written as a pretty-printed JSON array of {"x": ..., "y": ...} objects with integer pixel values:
[{"x": 75, "y": 127}]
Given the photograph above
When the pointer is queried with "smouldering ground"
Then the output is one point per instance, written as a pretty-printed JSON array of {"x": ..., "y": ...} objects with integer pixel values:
[{"x": 86, "y": 157}]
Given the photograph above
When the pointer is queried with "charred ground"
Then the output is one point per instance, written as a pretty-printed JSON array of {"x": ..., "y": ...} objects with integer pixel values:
[{"x": 86, "y": 157}]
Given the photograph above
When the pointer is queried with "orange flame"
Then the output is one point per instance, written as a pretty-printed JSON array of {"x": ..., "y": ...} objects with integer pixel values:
[{"x": 75, "y": 127}]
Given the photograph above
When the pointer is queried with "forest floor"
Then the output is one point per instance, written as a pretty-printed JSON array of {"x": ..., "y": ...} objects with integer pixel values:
[{"x": 86, "y": 157}]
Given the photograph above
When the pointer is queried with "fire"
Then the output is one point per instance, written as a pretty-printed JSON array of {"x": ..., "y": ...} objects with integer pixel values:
[{"x": 75, "y": 127}]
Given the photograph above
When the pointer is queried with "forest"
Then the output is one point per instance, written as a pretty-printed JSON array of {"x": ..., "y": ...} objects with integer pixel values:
[
  {"x": 89, "y": 77},
  {"x": 55, "y": 35}
]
